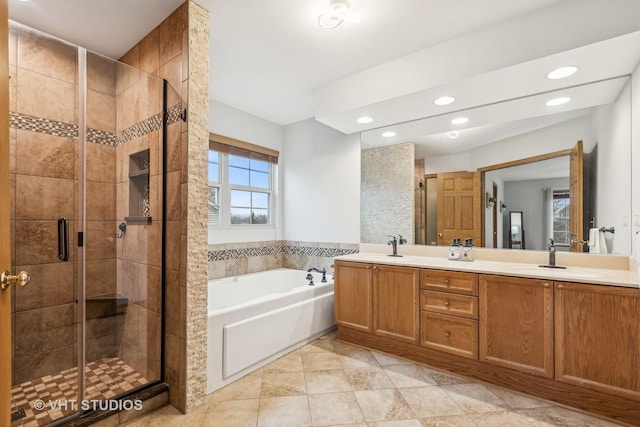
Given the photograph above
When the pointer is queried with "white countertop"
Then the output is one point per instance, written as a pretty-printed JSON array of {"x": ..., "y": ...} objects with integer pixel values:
[{"x": 598, "y": 276}]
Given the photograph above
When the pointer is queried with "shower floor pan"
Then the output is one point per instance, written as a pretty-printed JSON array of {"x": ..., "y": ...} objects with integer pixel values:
[{"x": 105, "y": 379}]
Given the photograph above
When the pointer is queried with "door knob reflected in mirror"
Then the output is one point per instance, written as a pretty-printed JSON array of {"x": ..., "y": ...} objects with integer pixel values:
[{"x": 6, "y": 279}]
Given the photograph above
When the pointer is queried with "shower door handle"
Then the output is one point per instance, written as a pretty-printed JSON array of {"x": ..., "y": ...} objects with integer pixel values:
[{"x": 63, "y": 239}]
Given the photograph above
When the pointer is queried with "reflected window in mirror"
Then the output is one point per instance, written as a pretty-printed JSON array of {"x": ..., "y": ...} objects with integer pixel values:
[{"x": 560, "y": 220}]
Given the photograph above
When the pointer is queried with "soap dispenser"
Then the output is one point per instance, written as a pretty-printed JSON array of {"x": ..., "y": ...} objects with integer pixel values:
[
  {"x": 454, "y": 249},
  {"x": 466, "y": 250}
]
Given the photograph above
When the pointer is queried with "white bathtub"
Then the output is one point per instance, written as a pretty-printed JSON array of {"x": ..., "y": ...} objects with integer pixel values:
[{"x": 256, "y": 318}]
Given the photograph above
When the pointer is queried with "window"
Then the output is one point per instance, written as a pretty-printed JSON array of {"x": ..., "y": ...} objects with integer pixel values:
[
  {"x": 561, "y": 203},
  {"x": 240, "y": 184}
]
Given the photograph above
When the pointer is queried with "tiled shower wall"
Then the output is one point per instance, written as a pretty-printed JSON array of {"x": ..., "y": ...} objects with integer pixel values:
[
  {"x": 387, "y": 193},
  {"x": 233, "y": 259}
]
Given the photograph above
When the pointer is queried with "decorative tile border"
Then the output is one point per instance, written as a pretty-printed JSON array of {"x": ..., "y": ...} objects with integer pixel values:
[
  {"x": 66, "y": 130},
  {"x": 227, "y": 254},
  {"x": 40, "y": 125}
]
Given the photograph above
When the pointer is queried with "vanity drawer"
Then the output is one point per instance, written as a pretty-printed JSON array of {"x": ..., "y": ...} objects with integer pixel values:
[
  {"x": 449, "y": 334},
  {"x": 448, "y": 303},
  {"x": 449, "y": 281}
]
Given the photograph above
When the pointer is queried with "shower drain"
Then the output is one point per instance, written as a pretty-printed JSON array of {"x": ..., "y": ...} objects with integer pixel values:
[{"x": 15, "y": 416}]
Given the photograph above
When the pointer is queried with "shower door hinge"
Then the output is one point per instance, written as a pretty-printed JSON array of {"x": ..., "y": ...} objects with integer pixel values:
[{"x": 80, "y": 239}]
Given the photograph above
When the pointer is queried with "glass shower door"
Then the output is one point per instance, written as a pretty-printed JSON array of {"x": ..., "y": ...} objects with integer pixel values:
[
  {"x": 43, "y": 173},
  {"x": 122, "y": 229}
]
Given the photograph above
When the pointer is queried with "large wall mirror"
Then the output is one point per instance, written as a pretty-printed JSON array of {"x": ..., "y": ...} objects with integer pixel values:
[{"x": 564, "y": 168}]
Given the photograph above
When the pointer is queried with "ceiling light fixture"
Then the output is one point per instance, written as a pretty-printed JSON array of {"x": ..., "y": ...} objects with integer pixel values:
[
  {"x": 558, "y": 101},
  {"x": 444, "y": 100},
  {"x": 389, "y": 134},
  {"x": 459, "y": 121},
  {"x": 334, "y": 15},
  {"x": 453, "y": 134},
  {"x": 562, "y": 72},
  {"x": 364, "y": 120}
]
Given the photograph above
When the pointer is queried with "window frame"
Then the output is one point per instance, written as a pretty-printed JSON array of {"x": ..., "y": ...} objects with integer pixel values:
[{"x": 225, "y": 189}]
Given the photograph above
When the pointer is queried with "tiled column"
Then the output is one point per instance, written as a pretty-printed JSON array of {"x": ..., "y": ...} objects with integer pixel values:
[{"x": 196, "y": 220}]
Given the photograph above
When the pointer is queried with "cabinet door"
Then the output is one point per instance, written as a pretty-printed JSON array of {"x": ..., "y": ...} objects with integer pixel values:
[
  {"x": 598, "y": 337},
  {"x": 516, "y": 324},
  {"x": 352, "y": 295},
  {"x": 395, "y": 302}
]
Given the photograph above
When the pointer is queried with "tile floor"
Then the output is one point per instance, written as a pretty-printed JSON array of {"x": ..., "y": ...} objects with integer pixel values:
[{"x": 331, "y": 383}]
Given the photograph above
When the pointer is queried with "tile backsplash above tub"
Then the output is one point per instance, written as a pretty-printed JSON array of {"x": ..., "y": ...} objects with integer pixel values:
[{"x": 233, "y": 259}]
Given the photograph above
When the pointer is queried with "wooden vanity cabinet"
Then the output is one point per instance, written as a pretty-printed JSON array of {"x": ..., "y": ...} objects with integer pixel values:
[
  {"x": 395, "y": 302},
  {"x": 516, "y": 323},
  {"x": 449, "y": 312},
  {"x": 353, "y": 295},
  {"x": 598, "y": 338}
]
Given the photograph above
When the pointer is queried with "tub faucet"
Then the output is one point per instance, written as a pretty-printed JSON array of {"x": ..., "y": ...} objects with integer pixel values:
[{"x": 323, "y": 271}]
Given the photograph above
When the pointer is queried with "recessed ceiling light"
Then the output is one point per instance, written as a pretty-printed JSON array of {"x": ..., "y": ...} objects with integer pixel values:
[
  {"x": 444, "y": 100},
  {"x": 459, "y": 121},
  {"x": 562, "y": 72},
  {"x": 364, "y": 120},
  {"x": 558, "y": 101},
  {"x": 389, "y": 134},
  {"x": 453, "y": 134}
]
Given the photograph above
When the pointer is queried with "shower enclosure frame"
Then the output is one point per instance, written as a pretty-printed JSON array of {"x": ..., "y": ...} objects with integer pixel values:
[{"x": 81, "y": 220}]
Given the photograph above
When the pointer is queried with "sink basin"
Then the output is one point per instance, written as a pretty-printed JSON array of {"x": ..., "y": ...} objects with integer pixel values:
[{"x": 557, "y": 272}]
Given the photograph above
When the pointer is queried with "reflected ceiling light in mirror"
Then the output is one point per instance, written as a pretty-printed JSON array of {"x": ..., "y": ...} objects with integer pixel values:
[
  {"x": 389, "y": 134},
  {"x": 558, "y": 101},
  {"x": 453, "y": 134},
  {"x": 459, "y": 121},
  {"x": 364, "y": 120},
  {"x": 562, "y": 72},
  {"x": 444, "y": 100},
  {"x": 334, "y": 15}
]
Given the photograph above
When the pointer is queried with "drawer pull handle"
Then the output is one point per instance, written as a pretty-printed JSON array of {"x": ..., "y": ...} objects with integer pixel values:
[
  {"x": 446, "y": 303},
  {"x": 560, "y": 287},
  {"x": 447, "y": 334},
  {"x": 546, "y": 285},
  {"x": 447, "y": 282}
]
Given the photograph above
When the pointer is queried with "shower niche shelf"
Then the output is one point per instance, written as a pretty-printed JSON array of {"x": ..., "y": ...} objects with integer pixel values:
[{"x": 139, "y": 207}]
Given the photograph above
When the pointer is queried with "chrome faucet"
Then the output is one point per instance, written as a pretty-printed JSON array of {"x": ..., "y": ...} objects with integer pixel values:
[
  {"x": 552, "y": 253},
  {"x": 394, "y": 244},
  {"x": 323, "y": 271}
]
